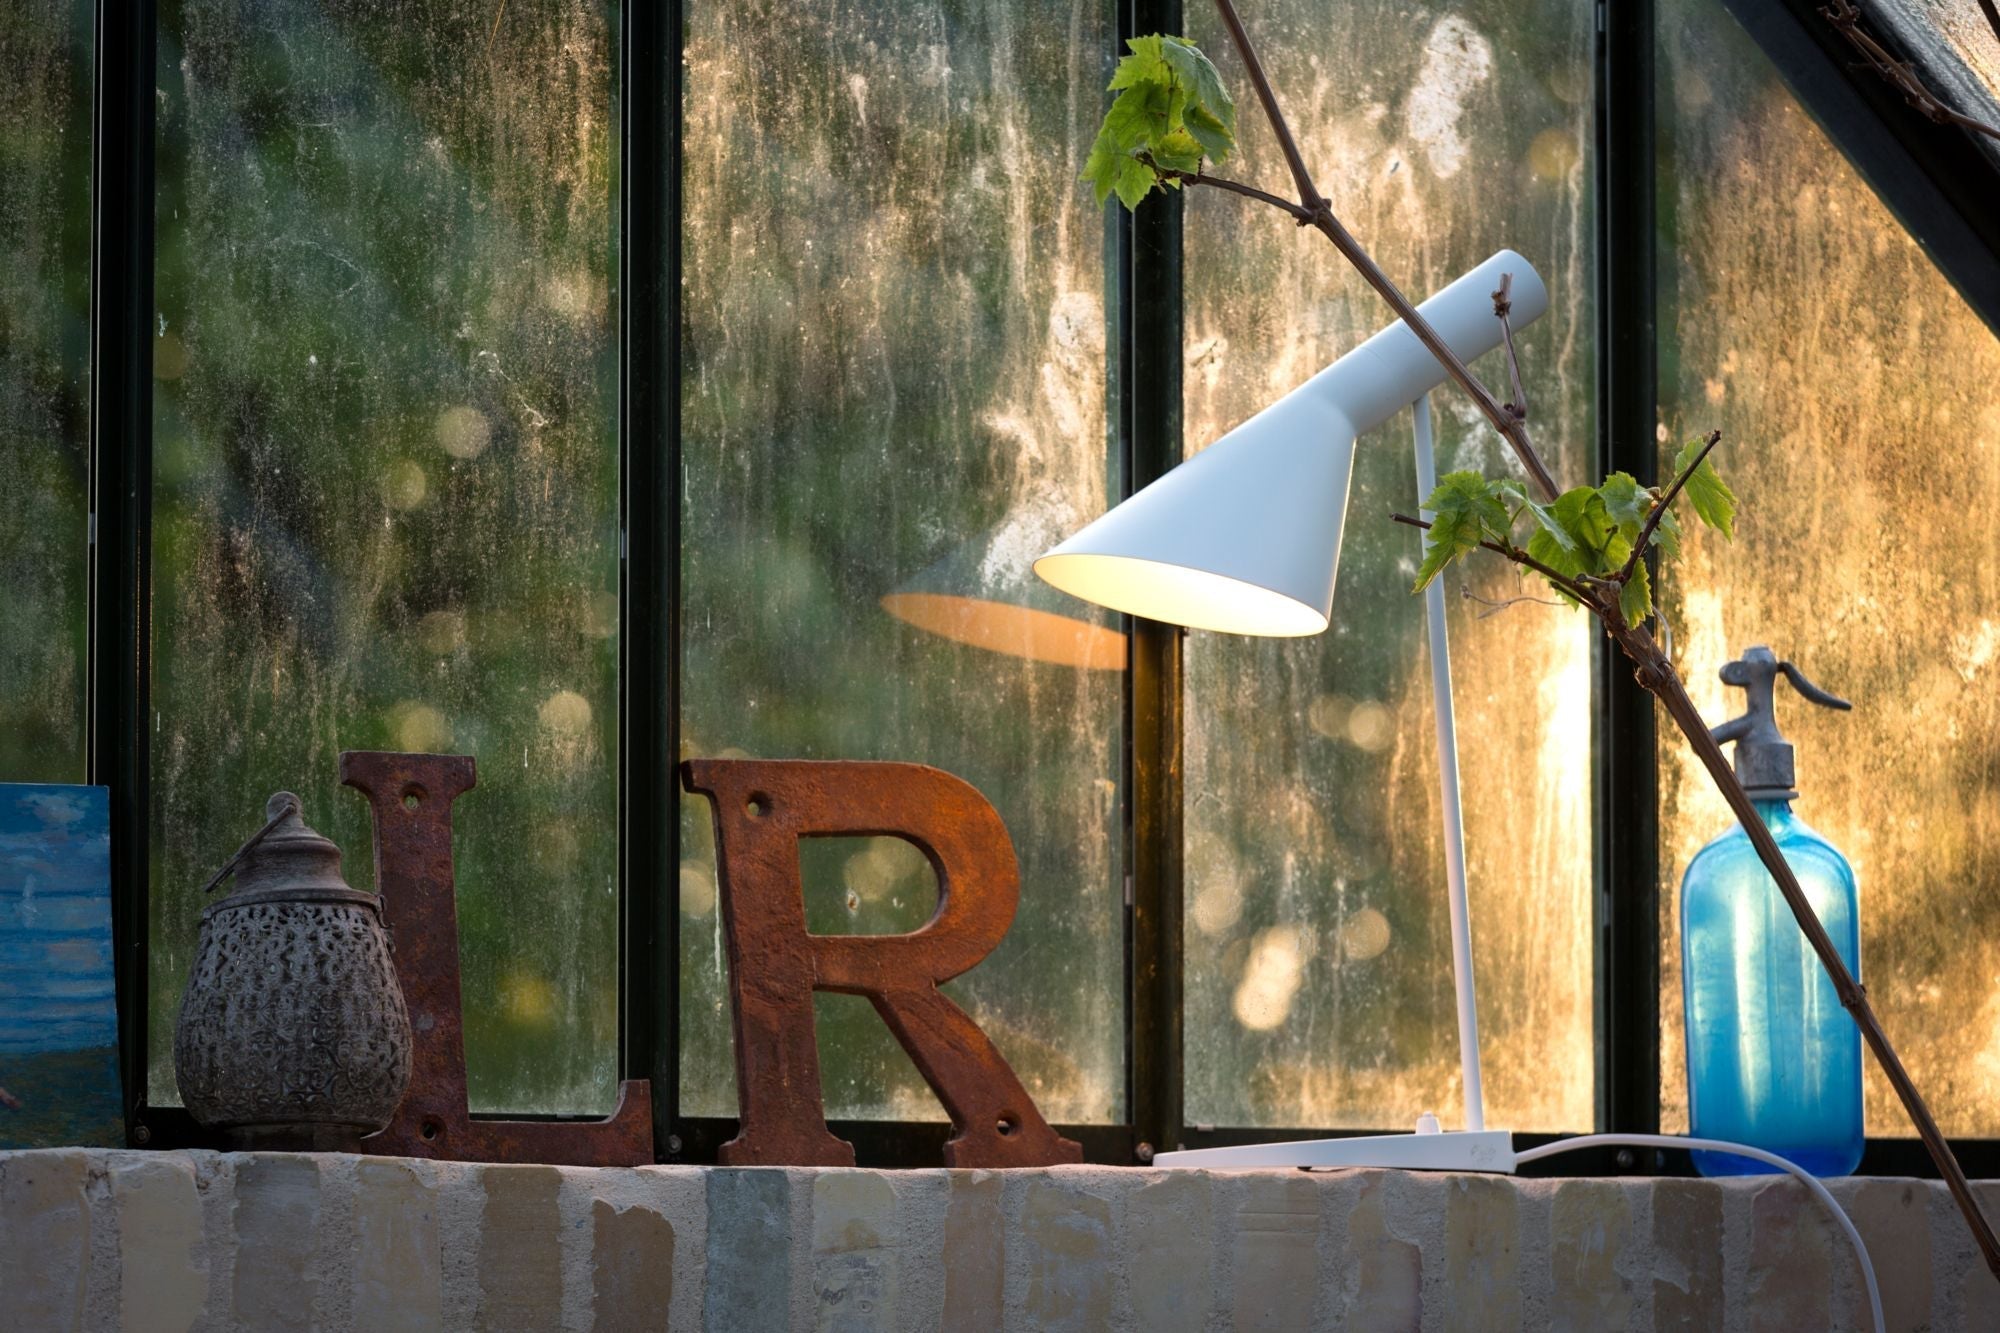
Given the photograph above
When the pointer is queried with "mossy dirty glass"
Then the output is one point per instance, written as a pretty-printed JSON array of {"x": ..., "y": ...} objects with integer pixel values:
[
  {"x": 894, "y": 399},
  {"x": 1317, "y": 955},
  {"x": 45, "y": 115},
  {"x": 385, "y": 478},
  {"x": 1859, "y": 401}
]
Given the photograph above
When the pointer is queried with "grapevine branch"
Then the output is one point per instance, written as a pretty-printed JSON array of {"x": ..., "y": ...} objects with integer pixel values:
[
  {"x": 1575, "y": 587},
  {"x": 1234, "y": 187},
  {"x": 1663, "y": 504},
  {"x": 1495, "y": 608},
  {"x": 1654, "y": 671},
  {"x": 1846, "y": 20}
]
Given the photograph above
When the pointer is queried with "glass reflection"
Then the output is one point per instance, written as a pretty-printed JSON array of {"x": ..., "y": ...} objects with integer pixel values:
[
  {"x": 1318, "y": 956},
  {"x": 45, "y": 119},
  {"x": 1858, "y": 394},
  {"x": 894, "y": 388},
  {"x": 386, "y": 478}
]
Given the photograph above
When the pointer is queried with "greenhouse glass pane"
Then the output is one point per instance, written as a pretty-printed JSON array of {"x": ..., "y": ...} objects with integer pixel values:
[
  {"x": 1859, "y": 400},
  {"x": 45, "y": 112},
  {"x": 385, "y": 477},
  {"x": 894, "y": 399},
  {"x": 1319, "y": 986}
]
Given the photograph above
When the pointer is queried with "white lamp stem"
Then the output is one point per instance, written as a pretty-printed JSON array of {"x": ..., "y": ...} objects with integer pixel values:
[{"x": 1454, "y": 822}]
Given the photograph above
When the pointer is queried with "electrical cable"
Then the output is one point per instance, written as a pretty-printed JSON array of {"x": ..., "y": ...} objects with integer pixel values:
[{"x": 1737, "y": 1150}]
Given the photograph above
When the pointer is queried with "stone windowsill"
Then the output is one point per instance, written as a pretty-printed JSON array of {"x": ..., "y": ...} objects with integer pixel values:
[{"x": 106, "y": 1240}]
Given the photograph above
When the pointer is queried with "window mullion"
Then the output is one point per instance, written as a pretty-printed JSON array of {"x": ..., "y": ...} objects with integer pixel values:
[
  {"x": 649, "y": 549},
  {"x": 1627, "y": 787},
  {"x": 1149, "y": 416},
  {"x": 121, "y": 438}
]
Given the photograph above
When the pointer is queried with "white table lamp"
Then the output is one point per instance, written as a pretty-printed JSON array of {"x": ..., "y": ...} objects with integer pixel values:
[{"x": 1244, "y": 538}]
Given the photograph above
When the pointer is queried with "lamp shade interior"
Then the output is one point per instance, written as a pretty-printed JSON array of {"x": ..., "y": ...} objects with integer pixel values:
[{"x": 1180, "y": 595}]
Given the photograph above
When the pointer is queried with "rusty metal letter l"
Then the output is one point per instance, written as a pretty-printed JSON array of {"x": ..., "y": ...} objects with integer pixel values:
[{"x": 410, "y": 796}]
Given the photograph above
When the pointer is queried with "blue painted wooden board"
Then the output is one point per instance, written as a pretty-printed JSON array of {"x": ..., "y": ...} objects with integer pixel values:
[{"x": 58, "y": 993}]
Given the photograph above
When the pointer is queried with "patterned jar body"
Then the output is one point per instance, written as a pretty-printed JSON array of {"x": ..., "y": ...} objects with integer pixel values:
[{"x": 293, "y": 1030}]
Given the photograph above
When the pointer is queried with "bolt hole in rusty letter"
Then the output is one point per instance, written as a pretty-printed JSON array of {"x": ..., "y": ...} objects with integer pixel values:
[{"x": 762, "y": 807}]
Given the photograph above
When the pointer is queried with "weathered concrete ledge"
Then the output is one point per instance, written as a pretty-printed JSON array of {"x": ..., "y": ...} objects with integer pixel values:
[{"x": 129, "y": 1240}]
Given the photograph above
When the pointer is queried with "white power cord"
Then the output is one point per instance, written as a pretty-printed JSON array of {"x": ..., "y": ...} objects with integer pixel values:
[{"x": 1738, "y": 1150}]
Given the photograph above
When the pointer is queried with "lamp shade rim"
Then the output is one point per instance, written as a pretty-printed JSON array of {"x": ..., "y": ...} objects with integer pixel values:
[{"x": 1180, "y": 594}]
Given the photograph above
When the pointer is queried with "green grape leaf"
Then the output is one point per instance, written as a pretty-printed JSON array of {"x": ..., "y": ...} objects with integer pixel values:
[
  {"x": 1594, "y": 546},
  {"x": 1450, "y": 536},
  {"x": 1509, "y": 488},
  {"x": 1626, "y": 501},
  {"x": 1143, "y": 66},
  {"x": 1469, "y": 493},
  {"x": 1216, "y": 138},
  {"x": 1127, "y": 126},
  {"x": 1465, "y": 509},
  {"x": 1667, "y": 536},
  {"x": 1155, "y": 114},
  {"x": 1569, "y": 560},
  {"x": 1456, "y": 490},
  {"x": 1200, "y": 76},
  {"x": 1631, "y": 506},
  {"x": 1546, "y": 518},
  {"x": 1171, "y": 114},
  {"x": 1135, "y": 180},
  {"x": 1179, "y": 151},
  {"x": 1204, "y": 85},
  {"x": 1635, "y": 599},
  {"x": 1581, "y": 512},
  {"x": 1711, "y": 497}
]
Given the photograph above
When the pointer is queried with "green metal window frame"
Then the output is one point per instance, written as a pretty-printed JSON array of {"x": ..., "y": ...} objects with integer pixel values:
[{"x": 1933, "y": 179}]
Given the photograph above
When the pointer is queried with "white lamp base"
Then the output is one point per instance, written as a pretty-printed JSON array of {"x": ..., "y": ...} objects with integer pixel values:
[{"x": 1458, "y": 1150}]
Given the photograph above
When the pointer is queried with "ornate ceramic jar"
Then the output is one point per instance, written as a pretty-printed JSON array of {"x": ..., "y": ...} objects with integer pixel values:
[{"x": 292, "y": 1032}]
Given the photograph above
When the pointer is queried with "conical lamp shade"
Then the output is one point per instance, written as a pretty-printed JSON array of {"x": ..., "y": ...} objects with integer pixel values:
[{"x": 1245, "y": 536}]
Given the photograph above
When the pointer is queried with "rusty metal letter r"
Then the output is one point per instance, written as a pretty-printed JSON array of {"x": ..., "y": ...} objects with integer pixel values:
[{"x": 762, "y": 808}]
